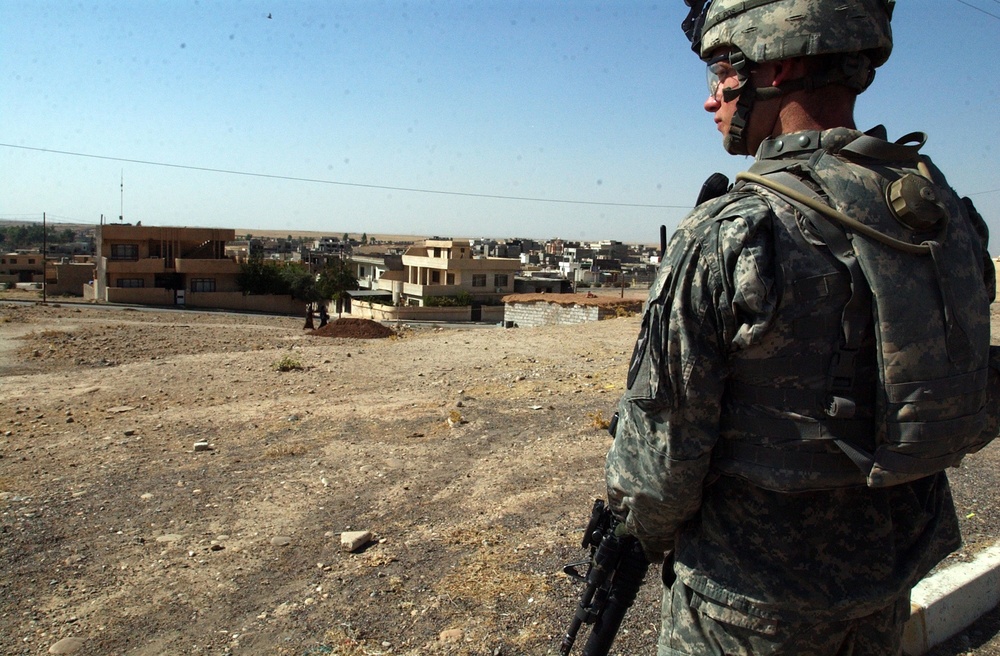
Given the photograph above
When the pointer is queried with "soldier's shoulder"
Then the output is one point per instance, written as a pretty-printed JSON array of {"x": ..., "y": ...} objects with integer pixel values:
[{"x": 743, "y": 204}]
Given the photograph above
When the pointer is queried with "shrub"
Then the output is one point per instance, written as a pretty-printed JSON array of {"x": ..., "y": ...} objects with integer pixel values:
[
  {"x": 288, "y": 363},
  {"x": 598, "y": 421}
]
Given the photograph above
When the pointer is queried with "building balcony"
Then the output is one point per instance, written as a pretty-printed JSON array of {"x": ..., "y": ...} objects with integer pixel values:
[
  {"x": 144, "y": 265},
  {"x": 206, "y": 267},
  {"x": 423, "y": 291}
]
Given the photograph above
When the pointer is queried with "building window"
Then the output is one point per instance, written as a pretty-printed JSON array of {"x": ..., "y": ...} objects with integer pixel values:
[
  {"x": 130, "y": 282},
  {"x": 124, "y": 251},
  {"x": 13, "y": 260},
  {"x": 361, "y": 272},
  {"x": 451, "y": 279},
  {"x": 500, "y": 280},
  {"x": 437, "y": 251},
  {"x": 435, "y": 277},
  {"x": 479, "y": 280},
  {"x": 30, "y": 261},
  {"x": 203, "y": 285}
]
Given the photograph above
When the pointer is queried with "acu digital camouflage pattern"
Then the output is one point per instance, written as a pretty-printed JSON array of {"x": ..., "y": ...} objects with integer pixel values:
[
  {"x": 771, "y": 30},
  {"x": 699, "y": 626},
  {"x": 931, "y": 310},
  {"x": 763, "y": 557}
]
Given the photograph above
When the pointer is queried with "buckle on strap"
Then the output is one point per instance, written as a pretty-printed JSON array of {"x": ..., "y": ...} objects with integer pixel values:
[{"x": 840, "y": 376}]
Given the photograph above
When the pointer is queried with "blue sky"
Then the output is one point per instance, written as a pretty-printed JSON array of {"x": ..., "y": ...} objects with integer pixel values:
[{"x": 341, "y": 109}]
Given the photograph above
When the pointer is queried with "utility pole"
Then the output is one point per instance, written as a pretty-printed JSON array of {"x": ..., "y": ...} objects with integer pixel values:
[{"x": 45, "y": 249}]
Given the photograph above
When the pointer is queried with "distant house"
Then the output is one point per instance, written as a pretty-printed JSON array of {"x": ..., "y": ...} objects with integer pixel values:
[
  {"x": 22, "y": 266},
  {"x": 540, "y": 283},
  {"x": 69, "y": 275},
  {"x": 442, "y": 268}
]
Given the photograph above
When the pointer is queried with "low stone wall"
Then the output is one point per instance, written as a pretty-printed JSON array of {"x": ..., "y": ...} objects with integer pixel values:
[
  {"x": 268, "y": 303},
  {"x": 377, "y": 312},
  {"x": 492, "y": 313},
  {"x": 527, "y": 315},
  {"x": 236, "y": 301}
]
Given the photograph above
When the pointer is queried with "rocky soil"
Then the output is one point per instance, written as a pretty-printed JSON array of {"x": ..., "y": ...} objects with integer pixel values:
[{"x": 471, "y": 455}]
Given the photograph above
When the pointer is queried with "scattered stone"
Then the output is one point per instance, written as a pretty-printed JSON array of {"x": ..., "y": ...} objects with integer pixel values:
[
  {"x": 129, "y": 432},
  {"x": 281, "y": 540},
  {"x": 169, "y": 537},
  {"x": 146, "y": 497},
  {"x": 202, "y": 446},
  {"x": 67, "y": 646},
  {"x": 354, "y": 540},
  {"x": 451, "y": 635},
  {"x": 120, "y": 408}
]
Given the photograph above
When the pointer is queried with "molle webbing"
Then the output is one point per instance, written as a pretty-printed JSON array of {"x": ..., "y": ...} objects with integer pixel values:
[{"x": 926, "y": 304}]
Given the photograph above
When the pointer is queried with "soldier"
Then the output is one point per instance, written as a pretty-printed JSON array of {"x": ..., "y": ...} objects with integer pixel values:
[{"x": 813, "y": 353}]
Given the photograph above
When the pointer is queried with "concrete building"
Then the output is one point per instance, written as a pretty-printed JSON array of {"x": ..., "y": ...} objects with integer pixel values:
[
  {"x": 22, "y": 266},
  {"x": 162, "y": 266},
  {"x": 68, "y": 276},
  {"x": 447, "y": 268}
]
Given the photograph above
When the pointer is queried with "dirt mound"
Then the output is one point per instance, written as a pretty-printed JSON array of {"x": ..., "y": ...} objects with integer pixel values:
[{"x": 357, "y": 328}]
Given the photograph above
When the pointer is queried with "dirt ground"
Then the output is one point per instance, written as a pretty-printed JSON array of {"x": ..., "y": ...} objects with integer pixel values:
[{"x": 471, "y": 455}]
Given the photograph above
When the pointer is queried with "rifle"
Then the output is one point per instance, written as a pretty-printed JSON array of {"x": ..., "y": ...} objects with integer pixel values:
[{"x": 615, "y": 571}]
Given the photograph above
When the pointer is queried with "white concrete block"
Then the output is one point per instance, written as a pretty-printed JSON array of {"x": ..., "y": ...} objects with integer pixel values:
[
  {"x": 354, "y": 540},
  {"x": 952, "y": 599}
]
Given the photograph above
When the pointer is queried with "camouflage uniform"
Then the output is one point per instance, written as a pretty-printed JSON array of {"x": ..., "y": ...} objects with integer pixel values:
[{"x": 759, "y": 570}]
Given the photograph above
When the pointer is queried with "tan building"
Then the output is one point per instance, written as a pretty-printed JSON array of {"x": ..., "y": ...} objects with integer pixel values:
[
  {"x": 162, "y": 266},
  {"x": 69, "y": 275},
  {"x": 22, "y": 266},
  {"x": 446, "y": 268}
]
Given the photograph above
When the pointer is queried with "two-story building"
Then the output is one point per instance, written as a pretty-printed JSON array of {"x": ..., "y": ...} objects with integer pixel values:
[
  {"x": 161, "y": 265},
  {"x": 447, "y": 268},
  {"x": 22, "y": 266}
]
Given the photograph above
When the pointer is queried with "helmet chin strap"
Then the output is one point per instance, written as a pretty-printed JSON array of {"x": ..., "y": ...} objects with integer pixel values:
[
  {"x": 734, "y": 141},
  {"x": 852, "y": 74}
]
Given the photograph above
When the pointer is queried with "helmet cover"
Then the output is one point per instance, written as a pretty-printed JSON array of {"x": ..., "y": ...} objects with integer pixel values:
[{"x": 772, "y": 30}]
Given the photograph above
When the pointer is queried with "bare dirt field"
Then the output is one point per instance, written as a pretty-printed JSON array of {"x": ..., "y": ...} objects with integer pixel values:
[{"x": 471, "y": 455}]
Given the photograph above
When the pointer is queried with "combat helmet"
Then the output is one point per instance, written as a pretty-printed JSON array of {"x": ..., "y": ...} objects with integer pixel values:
[{"x": 856, "y": 33}]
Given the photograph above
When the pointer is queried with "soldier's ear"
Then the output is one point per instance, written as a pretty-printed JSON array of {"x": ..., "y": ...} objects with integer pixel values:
[{"x": 785, "y": 70}]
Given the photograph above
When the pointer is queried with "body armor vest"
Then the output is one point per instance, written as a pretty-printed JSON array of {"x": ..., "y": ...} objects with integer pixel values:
[{"x": 875, "y": 370}]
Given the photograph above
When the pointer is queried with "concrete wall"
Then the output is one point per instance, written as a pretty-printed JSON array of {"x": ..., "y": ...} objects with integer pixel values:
[
  {"x": 271, "y": 304},
  {"x": 376, "y": 312},
  {"x": 545, "y": 314},
  {"x": 68, "y": 277}
]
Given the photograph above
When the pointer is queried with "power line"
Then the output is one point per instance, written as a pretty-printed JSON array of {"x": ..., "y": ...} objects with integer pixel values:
[
  {"x": 963, "y": 2},
  {"x": 340, "y": 183}
]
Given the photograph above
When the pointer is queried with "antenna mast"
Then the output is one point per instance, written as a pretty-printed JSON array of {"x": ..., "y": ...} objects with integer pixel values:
[{"x": 121, "y": 212}]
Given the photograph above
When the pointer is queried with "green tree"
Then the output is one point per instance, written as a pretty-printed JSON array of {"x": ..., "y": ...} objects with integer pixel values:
[
  {"x": 335, "y": 281},
  {"x": 301, "y": 283},
  {"x": 260, "y": 276},
  {"x": 32, "y": 235}
]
